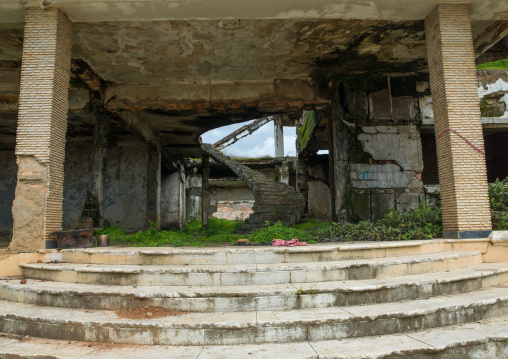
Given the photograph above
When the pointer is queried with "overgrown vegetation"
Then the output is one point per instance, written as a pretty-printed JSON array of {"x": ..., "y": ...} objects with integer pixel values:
[
  {"x": 277, "y": 231},
  {"x": 191, "y": 235},
  {"x": 498, "y": 195},
  {"x": 423, "y": 222},
  {"x": 496, "y": 65}
]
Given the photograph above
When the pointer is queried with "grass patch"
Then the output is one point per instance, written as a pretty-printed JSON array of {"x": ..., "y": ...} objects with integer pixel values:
[
  {"x": 191, "y": 235},
  {"x": 496, "y": 65}
]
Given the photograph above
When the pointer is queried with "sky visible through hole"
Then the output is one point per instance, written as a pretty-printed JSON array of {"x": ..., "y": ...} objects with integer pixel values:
[{"x": 258, "y": 144}]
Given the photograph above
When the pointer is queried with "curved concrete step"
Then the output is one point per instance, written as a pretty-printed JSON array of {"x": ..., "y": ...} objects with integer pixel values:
[
  {"x": 483, "y": 339},
  {"x": 255, "y": 327},
  {"x": 250, "y": 274},
  {"x": 322, "y": 252},
  {"x": 255, "y": 298}
]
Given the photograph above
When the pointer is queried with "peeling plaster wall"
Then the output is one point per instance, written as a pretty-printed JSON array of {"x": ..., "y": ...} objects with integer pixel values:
[
  {"x": 8, "y": 172},
  {"x": 125, "y": 182},
  {"x": 384, "y": 117},
  {"x": 125, "y": 185},
  {"x": 386, "y": 159}
]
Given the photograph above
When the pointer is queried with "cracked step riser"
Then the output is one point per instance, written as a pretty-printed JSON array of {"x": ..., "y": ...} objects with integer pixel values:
[
  {"x": 146, "y": 333},
  {"x": 465, "y": 343},
  {"x": 272, "y": 276},
  {"x": 255, "y": 256},
  {"x": 231, "y": 303}
]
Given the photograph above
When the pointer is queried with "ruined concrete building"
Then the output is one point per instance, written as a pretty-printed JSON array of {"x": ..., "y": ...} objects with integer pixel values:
[{"x": 101, "y": 103}]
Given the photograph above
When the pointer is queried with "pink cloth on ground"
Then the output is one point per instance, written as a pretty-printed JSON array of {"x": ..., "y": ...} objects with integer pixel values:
[{"x": 292, "y": 243}]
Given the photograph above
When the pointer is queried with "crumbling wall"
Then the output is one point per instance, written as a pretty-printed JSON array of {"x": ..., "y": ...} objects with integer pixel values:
[
  {"x": 233, "y": 210},
  {"x": 385, "y": 153}
]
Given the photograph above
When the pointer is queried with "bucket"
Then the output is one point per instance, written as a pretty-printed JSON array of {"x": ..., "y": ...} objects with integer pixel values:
[{"x": 103, "y": 240}]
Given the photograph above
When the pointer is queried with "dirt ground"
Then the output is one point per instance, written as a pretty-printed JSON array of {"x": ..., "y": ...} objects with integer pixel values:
[{"x": 147, "y": 313}]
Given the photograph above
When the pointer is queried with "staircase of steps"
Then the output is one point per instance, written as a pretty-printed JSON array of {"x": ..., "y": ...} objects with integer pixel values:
[
  {"x": 273, "y": 201},
  {"x": 421, "y": 299}
]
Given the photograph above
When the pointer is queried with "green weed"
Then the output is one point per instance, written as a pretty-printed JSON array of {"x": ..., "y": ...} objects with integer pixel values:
[
  {"x": 277, "y": 231},
  {"x": 496, "y": 65},
  {"x": 498, "y": 195}
]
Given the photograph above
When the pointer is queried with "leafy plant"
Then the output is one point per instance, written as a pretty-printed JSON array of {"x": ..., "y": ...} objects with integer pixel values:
[
  {"x": 302, "y": 291},
  {"x": 498, "y": 195},
  {"x": 423, "y": 222}
]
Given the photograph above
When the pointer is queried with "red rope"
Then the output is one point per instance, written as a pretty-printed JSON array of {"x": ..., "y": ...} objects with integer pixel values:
[{"x": 465, "y": 139}]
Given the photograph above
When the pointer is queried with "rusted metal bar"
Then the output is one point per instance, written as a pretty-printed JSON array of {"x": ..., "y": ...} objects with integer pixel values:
[{"x": 242, "y": 132}]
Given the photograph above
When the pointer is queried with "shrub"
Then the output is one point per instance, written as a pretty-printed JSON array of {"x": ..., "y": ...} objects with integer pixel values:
[
  {"x": 498, "y": 195},
  {"x": 423, "y": 222}
]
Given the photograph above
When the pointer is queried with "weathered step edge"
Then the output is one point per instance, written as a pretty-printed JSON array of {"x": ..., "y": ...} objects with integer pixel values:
[
  {"x": 212, "y": 299},
  {"x": 485, "y": 339},
  {"x": 265, "y": 255},
  {"x": 251, "y": 274},
  {"x": 194, "y": 331}
]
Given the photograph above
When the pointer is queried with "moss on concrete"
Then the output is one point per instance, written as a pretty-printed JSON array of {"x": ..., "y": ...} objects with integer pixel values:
[{"x": 305, "y": 132}]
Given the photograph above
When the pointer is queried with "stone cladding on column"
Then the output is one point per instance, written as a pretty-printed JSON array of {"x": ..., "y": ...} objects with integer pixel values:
[
  {"x": 458, "y": 128},
  {"x": 42, "y": 125}
]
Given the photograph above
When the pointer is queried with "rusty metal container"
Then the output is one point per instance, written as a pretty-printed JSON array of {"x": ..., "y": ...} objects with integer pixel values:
[{"x": 103, "y": 240}]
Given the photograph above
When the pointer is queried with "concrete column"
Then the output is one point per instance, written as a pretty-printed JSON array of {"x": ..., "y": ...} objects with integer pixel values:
[
  {"x": 153, "y": 186},
  {"x": 458, "y": 128},
  {"x": 302, "y": 185},
  {"x": 284, "y": 172},
  {"x": 206, "y": 196},
  {"x": 338, "y": 161},
  {"x": 42, "y": 124},
  {"x": 278, "y": 130}
]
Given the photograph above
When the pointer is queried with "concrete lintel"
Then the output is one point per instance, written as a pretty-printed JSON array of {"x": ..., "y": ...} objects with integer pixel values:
[
  {"x": 487, "y": 122},
  {"x": 490, "y": 36},
  {"x": 212, "y": 95},
  {"x": 146, "y": 10}
]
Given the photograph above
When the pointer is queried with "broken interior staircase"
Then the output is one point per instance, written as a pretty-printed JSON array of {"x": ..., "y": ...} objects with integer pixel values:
[{"x": 273, "y": 201}]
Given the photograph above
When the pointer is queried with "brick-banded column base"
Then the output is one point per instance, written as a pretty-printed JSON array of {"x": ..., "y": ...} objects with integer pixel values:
[
  {"x": 462, "y": 170},
  {"x": 42, "y": 124}
]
